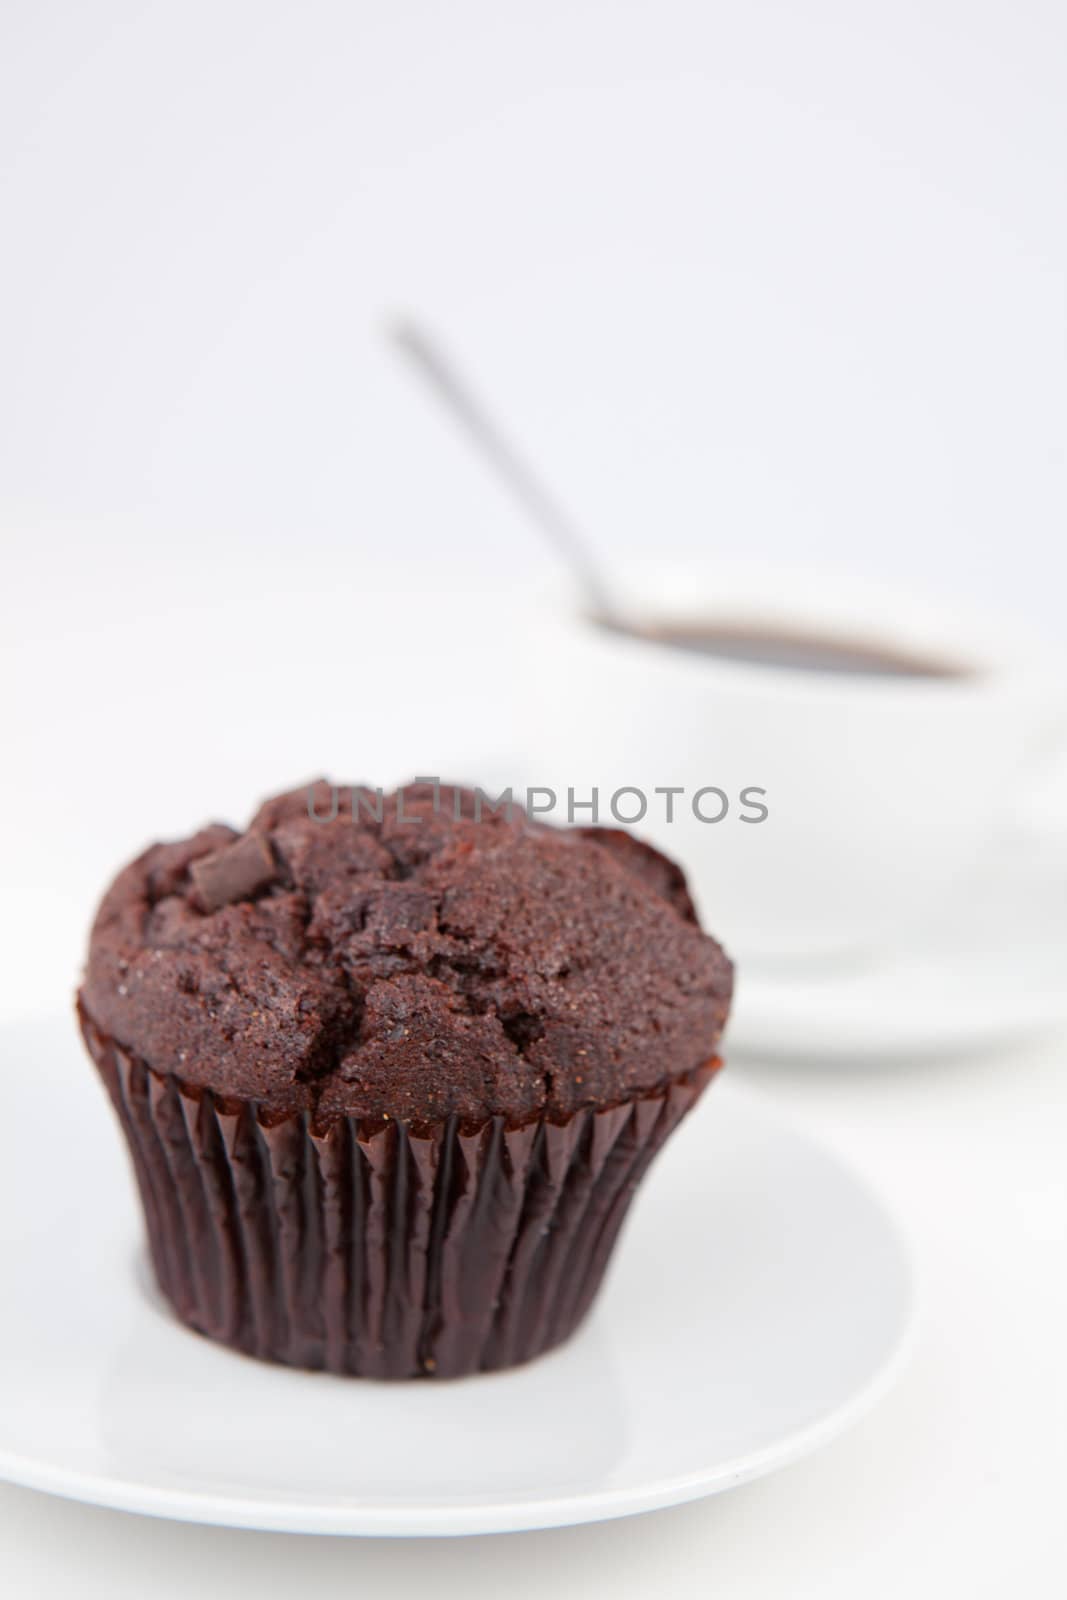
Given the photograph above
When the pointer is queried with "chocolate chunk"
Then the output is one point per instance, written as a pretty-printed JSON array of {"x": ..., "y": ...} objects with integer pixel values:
[{"x": 233, "y": 873}]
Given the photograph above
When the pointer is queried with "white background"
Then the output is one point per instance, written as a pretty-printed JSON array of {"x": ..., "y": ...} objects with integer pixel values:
[{"x": 771, "y": 280}]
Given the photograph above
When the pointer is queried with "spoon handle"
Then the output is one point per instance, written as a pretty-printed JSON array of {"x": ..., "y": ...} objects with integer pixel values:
[{"x": 540, "y": 504}]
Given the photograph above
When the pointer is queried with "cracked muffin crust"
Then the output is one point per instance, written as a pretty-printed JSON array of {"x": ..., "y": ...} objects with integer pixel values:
[{"x": 415, "y": 967}]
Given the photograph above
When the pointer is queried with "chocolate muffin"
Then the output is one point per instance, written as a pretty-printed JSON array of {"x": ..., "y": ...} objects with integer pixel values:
[{"x": 391, "y": 1067}]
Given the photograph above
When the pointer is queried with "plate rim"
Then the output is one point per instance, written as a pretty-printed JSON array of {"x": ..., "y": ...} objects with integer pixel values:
[{"x": 462, "y": 1521}]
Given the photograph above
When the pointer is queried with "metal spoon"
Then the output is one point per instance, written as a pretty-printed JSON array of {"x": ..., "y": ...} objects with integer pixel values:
[{"x": 546, "y": 510}]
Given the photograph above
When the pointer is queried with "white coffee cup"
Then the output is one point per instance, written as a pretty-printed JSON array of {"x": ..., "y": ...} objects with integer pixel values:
[{"x": 881, "y": 793}]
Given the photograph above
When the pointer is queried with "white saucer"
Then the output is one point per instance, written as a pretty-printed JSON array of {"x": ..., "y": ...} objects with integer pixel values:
[
  {"x": 758, "y": 1304},
  {"x": 988, "y": 972}
]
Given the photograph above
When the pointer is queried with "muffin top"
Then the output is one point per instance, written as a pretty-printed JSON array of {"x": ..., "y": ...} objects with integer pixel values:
[{"x": 418, "y": 958}]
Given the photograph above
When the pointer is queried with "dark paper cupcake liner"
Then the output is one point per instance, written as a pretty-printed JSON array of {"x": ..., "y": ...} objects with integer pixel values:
[{"x": 374, "y": 1250}]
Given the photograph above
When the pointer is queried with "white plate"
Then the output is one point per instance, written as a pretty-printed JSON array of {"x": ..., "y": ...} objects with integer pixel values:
[
  {"x": 987, "y": 972},
  {"x": 757, "y": 1305}
]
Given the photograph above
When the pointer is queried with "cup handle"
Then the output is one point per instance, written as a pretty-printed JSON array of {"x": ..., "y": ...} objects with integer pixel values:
[{"x": 1039, "y": 815}]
